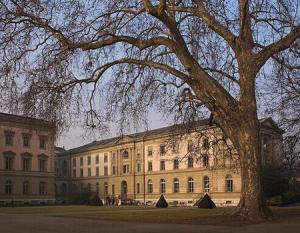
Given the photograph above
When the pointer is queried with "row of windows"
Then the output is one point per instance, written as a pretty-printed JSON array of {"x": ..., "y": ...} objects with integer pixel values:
[
  {"x": 190, "y": 185},
  {"x": 190, "y": 164},
  {"x": 89, "y": 160},
  {"x": 126, "y": 167},
  {"x": 26, "y": 163},
  {"x": 176, "y": 186},
  {"x": 26, "y": 140},
  {"x": 25, "y": 188}
]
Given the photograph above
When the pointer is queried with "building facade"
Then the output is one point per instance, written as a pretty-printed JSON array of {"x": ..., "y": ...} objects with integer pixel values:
[
  {"x": 140, "y": 167},
  {"x": 26, "y": 161}
]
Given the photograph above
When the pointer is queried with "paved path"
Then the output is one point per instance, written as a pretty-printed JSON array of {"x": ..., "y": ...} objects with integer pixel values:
[{"x": 27, "y": 223}]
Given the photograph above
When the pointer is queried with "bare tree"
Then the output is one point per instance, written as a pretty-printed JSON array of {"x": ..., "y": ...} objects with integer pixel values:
[{"x": 211, "y": 51}]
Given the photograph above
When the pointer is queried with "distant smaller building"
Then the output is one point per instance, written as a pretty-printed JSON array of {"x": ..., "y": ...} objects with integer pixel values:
[{"x": 26, "y": 160}]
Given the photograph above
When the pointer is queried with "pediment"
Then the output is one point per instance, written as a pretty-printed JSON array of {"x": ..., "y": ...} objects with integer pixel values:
[{"x": 124, "y": 139}]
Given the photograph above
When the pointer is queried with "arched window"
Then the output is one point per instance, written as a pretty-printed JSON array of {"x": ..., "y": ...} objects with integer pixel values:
[
  {"x": 8, "y": 187},
  {"x": 105, "y": 188},
  {"x": 125, "y": 154},
  {"x": 206, "y": 184},
  {"x": 74, "y": 188},
  {"x": 42, "y": 188},
  {"x": 150, "y": 186},
  {"x": 176, "y": 185},
  {"x": 162, "y": 186},
  {"x": 25, "y": 187},
  {"x": 97, "y": 188},
  {"x": 190, "y": 185},
  {"x": 205, "y": 160},
  {"x": 229, "y": 183}
]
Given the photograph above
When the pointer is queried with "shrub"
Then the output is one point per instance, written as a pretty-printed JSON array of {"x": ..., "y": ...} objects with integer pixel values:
[
  {"x": 206, "y": 203},
  {"x": 275, "y": 201},
  {"x": 290, "y": 197},
  {"x": 162, "y": 203}
]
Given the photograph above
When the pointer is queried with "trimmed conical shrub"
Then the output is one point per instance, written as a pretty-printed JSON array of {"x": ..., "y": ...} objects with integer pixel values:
[
  {"x": 206, "y": 203},
  {"x": 162, "y": 203}
]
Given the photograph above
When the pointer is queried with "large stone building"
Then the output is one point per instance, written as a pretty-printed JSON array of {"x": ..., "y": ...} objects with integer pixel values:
[
  {"x": 26, "y": 160},
  {"x": 142, "y": 166}
]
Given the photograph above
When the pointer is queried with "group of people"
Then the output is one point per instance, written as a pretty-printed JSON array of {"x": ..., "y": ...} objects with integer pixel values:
[{"x": 112, "y": 200}]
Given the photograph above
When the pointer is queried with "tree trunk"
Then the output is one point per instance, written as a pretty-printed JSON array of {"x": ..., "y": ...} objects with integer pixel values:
[{"x": 252, "y": 204}]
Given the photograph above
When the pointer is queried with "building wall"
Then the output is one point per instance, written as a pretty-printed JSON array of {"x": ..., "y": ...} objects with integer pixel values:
[{"x": 35, "y": 129}]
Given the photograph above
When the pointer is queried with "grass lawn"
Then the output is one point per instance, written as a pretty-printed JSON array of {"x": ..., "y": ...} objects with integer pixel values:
[
  {"x": 181, "y": 215},
  {"x": 66, "y": 209}
]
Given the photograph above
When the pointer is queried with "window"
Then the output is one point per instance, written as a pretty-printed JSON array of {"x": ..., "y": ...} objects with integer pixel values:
[
  {"x": 42, "y": 165},
  {"x": 26, "y": 140},
  {"x": 9, "y": 163},
  {"x": 190, "y": 162},
  {"x": 81, "y": 172},
  {"x": 25, "y": 187},
  {"x": 125, "y": 168},
  {"x": 89, "y": 187},
  {"x": 105, "y": 188},
  {"x": 105, "y": 170},
  {"x": 74, "y": 188},
  {"x": 205, "y": 144},
  {"x": 176, "y": 164},
  {"x": 149, "y": 186},
  {"x": 74, "y": 173},
  {"x": 9, "y": 137},
  {"x": 26, "y": 164},
  {"x": 229, "y": 184},
  {"x": 175, "y": 146},
  {"x": 190, "y": 145},
  {"x": 81, "y": 161},
  {"x": 125, "y": 154},
  {"x": 105, "y": 158},
  {"x": 162, "y": 186},
  {"x": 89, "y": 172},
  {"x": 162, "y": 165},
  {"x": 138, "y": 167},
  {"x": 150, "y": 152},
  {"x": 162, "y": 150},
  {"x": 176, "y": 185},
  {"x": 138, "y": 188},
  {"x": 8, "y": 187},
  {"x": 89, "y": 160},
  {"x": 205, "y": 160},
  {"x": 97, "y": 188},
  {"x": 43, "y": 142},
  {"x": 114, "y": 170},
  {"x": 42, "y": 188},
  {"x": 97, "y": 171},
  {"x": 97, "y": 159},
  {"x": 190, "y": 185},
  {"x": 150, "y": 166},
  {"x": 113, "y": 189},
  {"x": 206, "y": 184},
  {"x": 74, "y": 162},
  {"x": 114, "y": 157},
  {"x": 65, "y": 168}
]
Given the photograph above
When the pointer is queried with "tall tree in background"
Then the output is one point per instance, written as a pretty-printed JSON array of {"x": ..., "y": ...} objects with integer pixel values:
[
  {"x": 285, "y": 96},
  {"x": 212, "y": 51}
]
